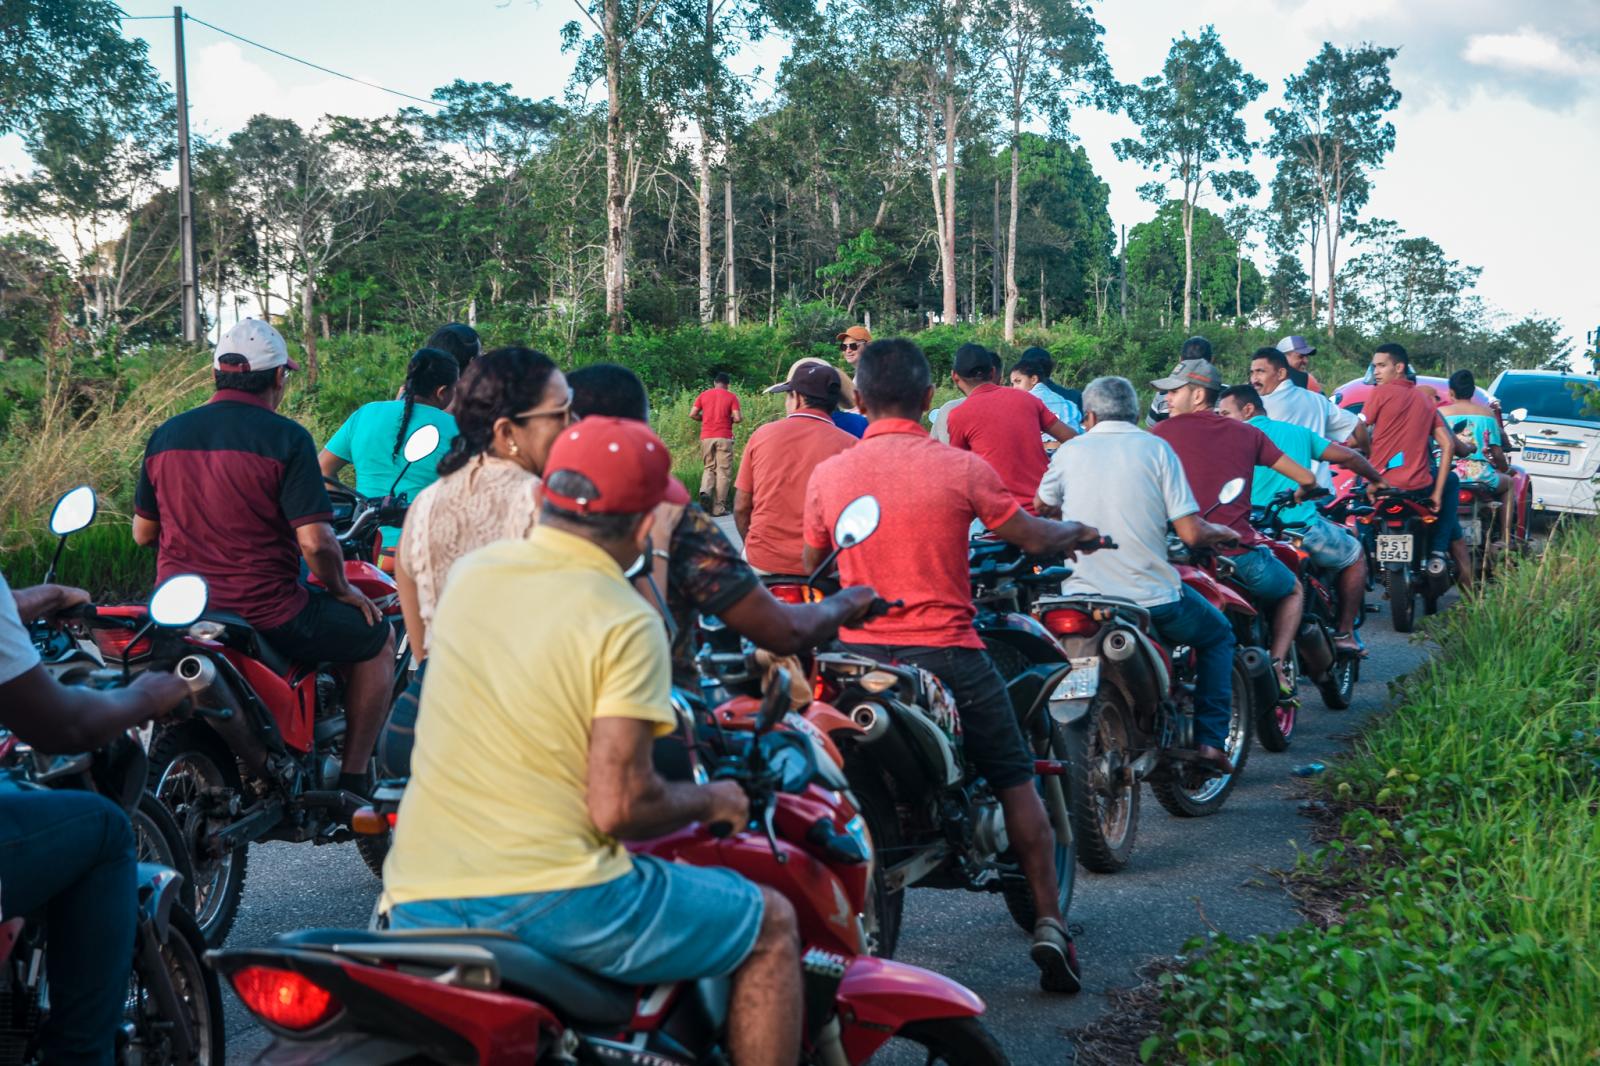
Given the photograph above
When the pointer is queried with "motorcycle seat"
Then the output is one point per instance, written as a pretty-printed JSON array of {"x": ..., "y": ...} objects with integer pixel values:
[
  {"x": 255, "y": 645},
  {"x": 576, "y": 995}
]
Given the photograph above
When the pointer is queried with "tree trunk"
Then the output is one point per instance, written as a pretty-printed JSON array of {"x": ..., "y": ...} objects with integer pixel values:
[
  {"x": 1010, "y": 332},
  {"x": 972, "y": 271},
  {"x": 733, "y": 284},
  {"x": 947, "y": 239},
  {"x": 616, "y": 247},
  {"x": 1331, "y": 236},
  {"x": 772, "y": 274},
  {"x": 997, "y": 274},
  {"x": 703, "y": 203},
  {"x": 1188, "y": 261},
  {"x": 308, "y": 337},
  {"x": 1238, "y": 284}
]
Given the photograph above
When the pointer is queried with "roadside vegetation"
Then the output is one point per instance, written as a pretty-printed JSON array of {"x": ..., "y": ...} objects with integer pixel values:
[{"x": 1454, "y": 910}]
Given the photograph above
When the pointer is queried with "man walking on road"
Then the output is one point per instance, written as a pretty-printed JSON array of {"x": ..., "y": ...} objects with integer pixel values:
[
  {"x": 769, "y": 495},
  {"x": 716, "y": 409},
  {"x": 1003, "y": 426}
]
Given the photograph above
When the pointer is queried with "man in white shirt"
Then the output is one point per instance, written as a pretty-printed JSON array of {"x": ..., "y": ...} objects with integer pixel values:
[
  {"x": 1288, "y": 402},
  {"x": 1130, "y": 485}
]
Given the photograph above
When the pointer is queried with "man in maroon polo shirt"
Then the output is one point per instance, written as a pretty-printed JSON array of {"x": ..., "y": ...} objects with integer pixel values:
[
  {"x": 929, "y": 495},
  {"x": 232, "y": 491},
  {"x": 1002, "y": 425}
]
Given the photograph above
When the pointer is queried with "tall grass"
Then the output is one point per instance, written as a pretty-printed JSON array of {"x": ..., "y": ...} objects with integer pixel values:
[{"x": 1469, "y": 845}]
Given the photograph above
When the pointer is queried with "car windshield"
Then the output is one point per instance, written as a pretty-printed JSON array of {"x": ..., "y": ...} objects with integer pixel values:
[{"x": 1576, "y": 399}]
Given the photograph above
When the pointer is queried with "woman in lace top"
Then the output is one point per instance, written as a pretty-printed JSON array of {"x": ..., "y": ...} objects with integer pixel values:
[{"x": 509, "y": 407}]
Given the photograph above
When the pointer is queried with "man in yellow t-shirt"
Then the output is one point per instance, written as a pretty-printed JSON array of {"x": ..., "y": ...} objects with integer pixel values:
[{"x": 548, "y": 680}]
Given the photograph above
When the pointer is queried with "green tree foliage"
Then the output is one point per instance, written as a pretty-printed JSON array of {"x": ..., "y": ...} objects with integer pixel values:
[
  {"x": 67, "y": 56},
  {"x": 1064, "y": 233},
  {"x": 1156, "y": 255}
]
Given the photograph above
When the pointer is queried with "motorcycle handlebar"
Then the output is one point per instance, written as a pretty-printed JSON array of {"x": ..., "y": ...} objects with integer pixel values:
[{"x": 880, "y": 607}]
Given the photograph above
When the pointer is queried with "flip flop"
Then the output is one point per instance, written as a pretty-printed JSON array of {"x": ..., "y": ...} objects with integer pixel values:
[{"x": 1056, "y": 956}]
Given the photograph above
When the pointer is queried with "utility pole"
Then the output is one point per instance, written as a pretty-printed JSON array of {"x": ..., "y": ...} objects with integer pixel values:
[{"x": 190, "y": 276}]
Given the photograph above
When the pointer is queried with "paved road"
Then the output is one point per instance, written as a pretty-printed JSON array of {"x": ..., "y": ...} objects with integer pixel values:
[{"x": 1185, "y": 875}]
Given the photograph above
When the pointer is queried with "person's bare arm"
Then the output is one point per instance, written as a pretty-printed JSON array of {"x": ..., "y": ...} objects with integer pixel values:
[
  {"x": 1351, "y": 459},
  {"x": 744, "y": 505},
  {"x": 788, "y": 628},
  {"x": 811, "y": 558},
  {"x": 1042, "y": 536},
  {"x": 1045, "y": 510},
  {"x": 1447, "y": 445},
  {"x": 696, "y": 413},
  {"x": 68, "y": 718},
  {"x": 738, "y": 415},
  {"x": 1061, "y": 431},
  {"x": 411, "y": 609},
  {"x": 1196, "y": 532},
  {"x": 331, "y": 464},
  {"x": 41, "y": 601},
  {"x": 1361, "y": 439},
  {"x": 146, "y": 531},
  {"x": 326, "y": 560},
  {"x": 1497, "y": 458},
  {"x": 628, "y": 800}
]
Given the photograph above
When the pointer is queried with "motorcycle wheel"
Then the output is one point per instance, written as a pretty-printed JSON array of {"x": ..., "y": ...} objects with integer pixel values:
[
  {"x": 956, "y": 1041},
  {"x": 1275, "y": 721},
  {"x": 1049, "y": 742},
  {"x": 1207, "y": 797},
  {"x": 199, "y": 996},
  {"x": 157, "y": 839},
  {"x": 1398, "y": 584},
  {"x": 1339, "y": 688},
  {"x": 1105, "y": 820},
  {"x": 183, "y": 762},
  {"x": 877, "y": 809}
]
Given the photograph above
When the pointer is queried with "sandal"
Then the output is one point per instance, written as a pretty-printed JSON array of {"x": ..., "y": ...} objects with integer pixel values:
[
  {"x": 1349, "y": 642},
  {"x": 1056, "y": 956}
]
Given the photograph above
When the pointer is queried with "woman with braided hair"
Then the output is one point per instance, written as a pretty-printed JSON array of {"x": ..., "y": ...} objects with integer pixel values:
[{"x": 372, "y": 437}]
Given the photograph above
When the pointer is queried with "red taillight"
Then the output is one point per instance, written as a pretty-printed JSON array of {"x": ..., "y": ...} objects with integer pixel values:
[
  {"x": 112, "y": 642},
  {"x": 1069, "y": 623},
  {"x": 285, "y": 998},
  {"x": 1466, "y": 496},
  {"x": 1394, "y": 508},
  {"x": 794, "y": 594},
  {"x": 824, "y": 691}
]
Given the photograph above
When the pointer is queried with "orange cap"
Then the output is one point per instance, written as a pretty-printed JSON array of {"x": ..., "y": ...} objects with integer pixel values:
[{"x": 856, "y": 333}]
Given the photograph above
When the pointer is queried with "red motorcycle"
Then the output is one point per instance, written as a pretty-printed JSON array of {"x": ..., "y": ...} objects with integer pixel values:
[{"x": 470, "y": 996}]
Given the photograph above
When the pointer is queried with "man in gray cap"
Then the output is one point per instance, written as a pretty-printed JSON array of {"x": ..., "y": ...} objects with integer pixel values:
[{"x": 1298, "y": 351}]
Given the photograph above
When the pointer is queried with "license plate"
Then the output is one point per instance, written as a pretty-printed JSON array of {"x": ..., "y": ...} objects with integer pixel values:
[
  {"x": 1547, "y": 455},
  {"x": 1083, "y": 682},
  {"x": 1472, "y": 530},
  {"x": 1394, "y": 547}
]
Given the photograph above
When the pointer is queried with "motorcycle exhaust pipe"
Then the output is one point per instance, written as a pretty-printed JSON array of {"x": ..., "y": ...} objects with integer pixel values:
[
  {"x": 197, "y": 671},
  {"x": 1257, "y": 665},
  {"x": 872, "y": 720},
  {"x": 1134, "y": 671},
  {"x": 1119, "y": 645},
  {"x": 1316, "y": 649},
  {"x": 200, "y": 673}
]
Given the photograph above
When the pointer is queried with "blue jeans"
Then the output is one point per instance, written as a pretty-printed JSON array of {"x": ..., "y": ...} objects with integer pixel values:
[
  {"x": 1191, "y": 620},
  {"x": 68, "y": 857}
]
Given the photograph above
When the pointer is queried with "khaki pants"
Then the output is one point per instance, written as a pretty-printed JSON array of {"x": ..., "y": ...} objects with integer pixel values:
[{"x": 715, "y": 482}]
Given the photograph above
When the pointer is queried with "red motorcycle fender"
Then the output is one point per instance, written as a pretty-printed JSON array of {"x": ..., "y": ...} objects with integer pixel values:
[
  {"x": 293, "y": 707},
  {"x": 372, "y": 583},
  {"x": 1286, "y": 555},
  {"x": 1216, "y": 594},
  {"x": 504, "y": 1029},
  {"x": 1232, "y": 601},
  {"x": 879, "y": 997}
]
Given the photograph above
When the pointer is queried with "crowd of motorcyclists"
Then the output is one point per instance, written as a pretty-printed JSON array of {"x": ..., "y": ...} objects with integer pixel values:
[{"x": 551, "y": 572}]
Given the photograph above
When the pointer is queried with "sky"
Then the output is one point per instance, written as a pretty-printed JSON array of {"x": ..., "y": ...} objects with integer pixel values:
[{"x": 1497, "y": 156}]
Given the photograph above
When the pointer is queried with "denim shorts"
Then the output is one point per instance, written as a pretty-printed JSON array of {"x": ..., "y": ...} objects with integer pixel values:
[
  {"x": 1259, "y": 571},
  {"x": 1329, "y": 546},
  {"x": 661, "y": 922}
]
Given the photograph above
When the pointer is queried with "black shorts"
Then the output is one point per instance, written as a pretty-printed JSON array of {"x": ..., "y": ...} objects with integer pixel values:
[
  {"x": 989, "y": 727},
  {"x": 327, "y": 631}
]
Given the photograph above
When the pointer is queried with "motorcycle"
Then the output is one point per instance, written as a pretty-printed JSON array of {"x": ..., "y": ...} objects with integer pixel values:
[
  {"x": 173, "y": 1008},
  {"x": 1406, "y": 557},
  {"x": 473, "y": 996}
]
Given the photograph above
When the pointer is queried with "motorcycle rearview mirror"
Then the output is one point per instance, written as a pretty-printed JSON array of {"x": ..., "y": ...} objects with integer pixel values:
[
  {"x": 179, "y": 601},
  {"x": 637, "y": 568},
  {"x": 791, "y": 757},
  {"x": 857, "y": 522},
  {"x": 1395, "y": 463},
  {"x": 73, "y": 511},
  {"x": 418, "y": 446},
  {"x": 1518, "y": 415},
  {"x": 1227, "y": 494}
]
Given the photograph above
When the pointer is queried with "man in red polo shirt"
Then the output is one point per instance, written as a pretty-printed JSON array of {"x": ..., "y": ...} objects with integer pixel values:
[
  {"x": 769, "y": 495},
  {"x": 1002, "y": 425},
  {"x": 929, "y": 495},
  {"x": 232, "y": 491},
  {"x": 1405, "y": 421},
  {"x": 716, "y": 409}
]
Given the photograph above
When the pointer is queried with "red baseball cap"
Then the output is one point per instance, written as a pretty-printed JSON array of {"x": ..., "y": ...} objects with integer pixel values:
[{"x": 629, "y": 466}]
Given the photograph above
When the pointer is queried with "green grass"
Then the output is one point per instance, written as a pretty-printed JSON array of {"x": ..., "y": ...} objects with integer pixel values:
[{"x": 1469, "y": 845}]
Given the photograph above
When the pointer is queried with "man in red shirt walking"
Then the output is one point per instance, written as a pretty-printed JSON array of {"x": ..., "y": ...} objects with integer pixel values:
[
  {"x": 769, "y": 495},
  {"x": 1002, "y": 425},
  {"x": 928, "y": 496},
  {"x": 716, "y": 409}
]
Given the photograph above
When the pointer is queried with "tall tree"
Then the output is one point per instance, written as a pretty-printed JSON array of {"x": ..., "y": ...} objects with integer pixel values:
[
  {"x": 1334, "y": 126},
  {"x": 67, "y": 55},
  {"x": 1190, "y": 121}
]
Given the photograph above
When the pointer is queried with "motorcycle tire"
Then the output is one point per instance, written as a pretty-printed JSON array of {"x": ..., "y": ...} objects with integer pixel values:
[
  {"x": 1430, "y": 602},
  {"x": 198, "y": 758},
  {"x": 1104, "y": 831},
  {"x": 1275, "y": 721},
  {"x": 956, "y": 1041},
  {"x": 877, "y": 809},
  {"x": 158, "y": 839},
  {"x": 1210, "y": 794},
  {"x": 198, "y": 991},
  {"x": 1338, "y": 690},
  {"x": 1049, "y": 742},
  {"x": 1401, "y": 603}
]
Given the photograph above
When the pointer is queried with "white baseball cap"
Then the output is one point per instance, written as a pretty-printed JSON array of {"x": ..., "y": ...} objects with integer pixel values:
[{"x": 257, "y": 342}]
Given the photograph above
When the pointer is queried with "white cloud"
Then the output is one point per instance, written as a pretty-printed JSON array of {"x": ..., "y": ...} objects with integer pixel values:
[
  {"x": 1529, "y": 51},
  {"x": 227, "y": 87}
]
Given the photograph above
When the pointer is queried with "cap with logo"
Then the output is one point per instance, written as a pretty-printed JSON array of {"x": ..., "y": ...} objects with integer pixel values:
[
  {"x": 1190, "y": 372},
  {"x": 1298, "y": 345},
  {"x": 855, "y": 333},
  {"x": 971, "y": 359},
  {"x": 627, "y": 464},
  {"x": 257, "y": 343},
  {"x": 814, "y": 378}
]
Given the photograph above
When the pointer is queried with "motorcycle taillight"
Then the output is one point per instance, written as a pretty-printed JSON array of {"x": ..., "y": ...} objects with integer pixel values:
[
  {"x": 1070, "y": 623},
  {"x": 113, "y": 642},
  {"x": 824, "y": 691},
  {"x": 1394, "y": 508},
  {"x": 794, "y": 594},
  {"x": 286, "y": 999},
  {"x": 1466, "y": 496}
]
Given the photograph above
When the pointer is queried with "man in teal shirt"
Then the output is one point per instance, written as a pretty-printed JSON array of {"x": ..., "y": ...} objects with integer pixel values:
[{"x": 1329, "y": 546}]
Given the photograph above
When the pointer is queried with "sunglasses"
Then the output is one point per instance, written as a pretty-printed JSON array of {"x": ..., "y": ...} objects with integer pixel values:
[
  {"x": 849, "y": 346},
  {"x": 564, "y": 412}
]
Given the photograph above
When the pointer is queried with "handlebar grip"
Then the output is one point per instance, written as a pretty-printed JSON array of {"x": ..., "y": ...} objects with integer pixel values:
[
  {"x": 1105, "y": 543},
  {"x": 83, "y": 611},
  {"x": 720, "y": 830},
  {"x": 881, "y": 607}
]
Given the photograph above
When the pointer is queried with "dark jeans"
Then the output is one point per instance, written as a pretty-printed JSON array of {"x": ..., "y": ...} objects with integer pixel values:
[
  {"x": 68, "y": 857},
  {"x": 989, "y": 729},
  {"x": 1191, "y": 620}
]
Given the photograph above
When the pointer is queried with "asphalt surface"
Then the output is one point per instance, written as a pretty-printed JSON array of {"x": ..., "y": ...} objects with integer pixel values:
[{"x": 1186, "y": 877}]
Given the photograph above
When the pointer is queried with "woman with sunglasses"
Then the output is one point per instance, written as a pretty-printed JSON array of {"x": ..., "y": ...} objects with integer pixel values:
[{"x": 509, "y": 406}]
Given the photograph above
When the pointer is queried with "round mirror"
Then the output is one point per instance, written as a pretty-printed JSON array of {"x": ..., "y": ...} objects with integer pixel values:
[
  {"x": 421, "y": 443},
  {"x": 637, "y": 568},
  {"x": 856, "y": 522},
  {"x": 1230, "y": 490},
  {"x": 791, "y": 759},
  {"x": 1519, "y": 415},
  {"x": 74, "y": 511},
  {"x": 179, "y": 601}
]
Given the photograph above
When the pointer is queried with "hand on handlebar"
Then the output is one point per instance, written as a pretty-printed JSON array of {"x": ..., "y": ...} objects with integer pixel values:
[
  {"x": 164, "y": 691},
  {"x": 859, "y": 599},
  {"x": 1218, "y": 536},
  {"x": 1309, "y": 492},
  {"x": 728, "y": 808}
]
